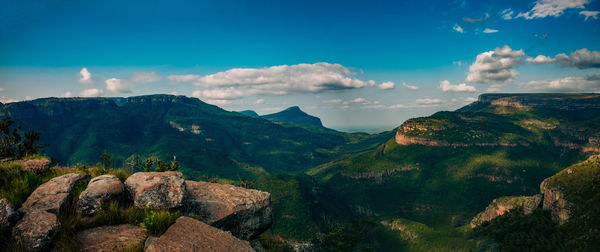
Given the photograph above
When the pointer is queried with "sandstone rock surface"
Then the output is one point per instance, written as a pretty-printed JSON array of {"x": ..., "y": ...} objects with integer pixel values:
[
  {"x": 100, "y": 189},
  {"x": 156, "y": 189},
  {"x": 35, "y": 231},
  {"x": 555, "y": 202},
  {"x": 8, "y": 215},
  {"x": 188, "y": 234},
  {"x": 37, "y": 166},
  {"x": 244, "y": 212},
  {"x": 53, "y": 195},
  {"x": 503, "y": 205},
  {"x": 112, "y": 238}
]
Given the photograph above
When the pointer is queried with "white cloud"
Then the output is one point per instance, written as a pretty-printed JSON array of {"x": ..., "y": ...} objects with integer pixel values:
[
  {"x": 174, "y": 93},
  {"x": 259, "y": 101},
  {"x": 457, "y": 28},
  {"x": 507, "y": 14},
  {"x": 333, "y": 101},
  {"x": 117, "y": 86},
  {"x": 85, "y": 76},
  {"x": 218, "y": 102},
  {"x": 145, "y": 77},
  {"x": 446, "y": 86},
  {"x": 387, "y": 85},
  {"x": 582, "y": 59},
  {"x": 92, "y": 92},
  {"x": 488, "y": 30},
  {"x": 429, "y": 101},
  {"x": 458, "y": 63},
  {"x": 495, "y": 66},
  {"x": 184, "y": 78},
  {"x": 410, "y": 87},
  {"x": 589, "y": 14},
  {"x": 360, "y": 100},
  {"x": 5, "y": 100},
  {"x": 553, "y": 8},
  {"x": 470, "y": 99},
  {"x": 540, "y": 60},
  {"x": 494, "y": 88},
  {"x": 276, "y": 80},
  {"x": 68, "y": 94},
  {"x": 568, "y": 84}
]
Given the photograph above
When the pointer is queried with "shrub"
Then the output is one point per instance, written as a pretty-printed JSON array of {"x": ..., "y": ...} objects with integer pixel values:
[
  {"x": 157, "y": 222},
  {"x": 17, "y": 184}
]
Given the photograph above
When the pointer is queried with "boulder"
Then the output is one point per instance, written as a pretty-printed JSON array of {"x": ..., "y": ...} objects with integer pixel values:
[
  {"x": 112, "y": 238},
  {"x": 503, "y": 205},
  {"x": 158, "y": 190},
  {"x": 244, "y": 212},
  {"x": 188, "y": 234},
  {"x": 100, "y": 189},
  {"x": 37, "y": 166},
  {"x": 35, "y": 231},
  {"x": 8, "y": 215},
  {"x": 53, "y": 195}
]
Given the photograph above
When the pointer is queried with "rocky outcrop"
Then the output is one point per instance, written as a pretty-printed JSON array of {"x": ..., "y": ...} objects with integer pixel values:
[
  {"x": 35, "y": 231},
  {"x": 100, "y": 189},
  {"x": 244, "y": 212},
  {"x": 53, "y": 195},
  {"x": 158, "y": 190},
  {"x": 555, "y": 202},
  {"x": 378, "y": 176},
  {"x": 8, "y": 215},
  {"x": 36, "y": 166},
  {"x": 503, "y": 205},
  {"x": 112, "y": 238},
  {"x": 188, "y": 234},
  {"x": 402, "y": 139}
]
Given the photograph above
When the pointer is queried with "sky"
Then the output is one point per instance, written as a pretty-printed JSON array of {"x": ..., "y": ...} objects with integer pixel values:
[{"x": 358, "y": 65}]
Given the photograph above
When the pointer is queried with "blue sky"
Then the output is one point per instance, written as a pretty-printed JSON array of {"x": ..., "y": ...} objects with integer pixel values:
[{"x": 329, "y": 57}]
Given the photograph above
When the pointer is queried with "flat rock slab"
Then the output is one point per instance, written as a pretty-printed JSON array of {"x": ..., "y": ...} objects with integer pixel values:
[
  {"x": 37, "y": 166},
  {"x": 100, "y": 189},
  {"x": 8, "y": 215},
  {"x": 53, "y": 195},
  {"x": 35, "y": 231},
  {"x": 188, "y": 234},
  {"x": 112, "y": 238},
  {"x": 244, "y": 212},
  {"x": 158, "y": 190}
]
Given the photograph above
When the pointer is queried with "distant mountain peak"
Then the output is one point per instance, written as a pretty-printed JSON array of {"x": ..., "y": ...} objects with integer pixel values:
[{"x": 294, "y": 115}]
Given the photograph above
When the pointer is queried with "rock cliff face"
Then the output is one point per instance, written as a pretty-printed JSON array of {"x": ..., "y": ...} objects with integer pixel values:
[
  {"x": 503, "y": 205},
  {"x": 553, "y": 101},
  {"x": 555, "y": 202}
]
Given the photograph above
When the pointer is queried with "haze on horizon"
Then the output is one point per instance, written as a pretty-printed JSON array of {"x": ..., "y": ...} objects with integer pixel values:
[{"x": 356, "y": 65}]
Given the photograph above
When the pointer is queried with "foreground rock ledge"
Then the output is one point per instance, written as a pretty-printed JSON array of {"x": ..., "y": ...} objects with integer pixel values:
[
  {"x": 35, "y": 231},
  {"x": 37, "y": 166},
  {"x": 8, "y": 215},
  {"x": 158, "y": 190},
  {"x": 503, "y": 205},
  {"x": 100, "y": 189},
  {"x": 53, "y": 195},
  {"x": 112, "y": 238},
  {"x": 246, "y": 213},
  {"x": 188, "y": 234}
]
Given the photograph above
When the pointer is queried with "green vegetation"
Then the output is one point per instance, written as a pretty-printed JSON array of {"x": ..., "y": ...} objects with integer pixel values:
[
  {"x": 13, "y": 143},
  {"x": 157, "y": 222},
  {"x": 16, "y": 184}
]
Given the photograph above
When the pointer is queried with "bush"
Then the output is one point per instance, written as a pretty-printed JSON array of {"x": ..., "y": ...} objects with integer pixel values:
[
  {"x": 157, "y": 222},
  {"x": 16, "y": 184}
]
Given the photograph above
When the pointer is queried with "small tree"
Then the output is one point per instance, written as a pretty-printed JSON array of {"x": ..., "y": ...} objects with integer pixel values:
[
  {"x": 107, "y": 160},
  {"x": 149, "y": 163},
  {"x": 13, "y": 145}
]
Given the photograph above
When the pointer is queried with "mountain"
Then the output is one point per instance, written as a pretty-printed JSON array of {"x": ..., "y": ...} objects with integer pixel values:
[
  {"x": 438, "y": 172},
  {"x": 205, "y": 139},
  {"x": 250, "y": 113},
  {"x": 294, "y": 115}
]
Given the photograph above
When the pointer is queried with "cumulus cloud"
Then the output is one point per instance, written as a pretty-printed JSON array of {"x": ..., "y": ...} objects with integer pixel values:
[
  {"x": 387, "y": 85},
  {"x": 540, "y": 60},
  {"x": 68, "y": 94},
  {"x": 446, "y": 86},
  {"x": 333, "y": 101},
  {"x": 410, "y": 87},
  {"x": 495, "y": 66},
  {"x": 85, "y": 77},
  {"x": 588, "y": 83},
  {"x": 145, "y": 77},
  {"x": 582, "y": 59},
  {"x": 259, "y": 101},
  {"x": 359, "y": 100},
  {"x": 457, "y": 28},
  {"x": 92, "y": 92},
  {"x": 507, "y": 14},
  {"x": 118, "y": 86},
  {"x": 276, "y": 80},
  {"x": 552, "y": 8},
  {"x": 488, "y": 30},
  {"x": 429, "y": 101},
  {"x": 589, "y": 14}
]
